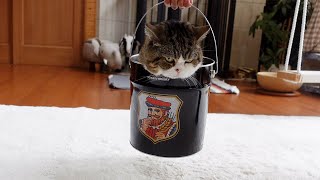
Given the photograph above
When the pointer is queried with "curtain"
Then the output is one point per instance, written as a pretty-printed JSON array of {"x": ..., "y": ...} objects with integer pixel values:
[{"x": 312, "y": 35}]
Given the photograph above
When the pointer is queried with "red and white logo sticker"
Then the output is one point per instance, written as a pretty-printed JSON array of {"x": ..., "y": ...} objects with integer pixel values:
[{"x": 158, "y": 117}]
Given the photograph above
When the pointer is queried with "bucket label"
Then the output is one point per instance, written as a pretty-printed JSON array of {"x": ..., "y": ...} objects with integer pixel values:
[{"x": 158, "y": 116}]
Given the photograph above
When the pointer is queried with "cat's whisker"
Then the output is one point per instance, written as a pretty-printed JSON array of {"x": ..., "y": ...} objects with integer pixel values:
[
  {"x": 142, "y": 79},
  {"x": 186, "y": 80},
  {"x": 146, "y": 79},
  {"x": 196, "y": 80},
  {"x": 191, "y": 81},
  {"x": 198, "y": 84}
]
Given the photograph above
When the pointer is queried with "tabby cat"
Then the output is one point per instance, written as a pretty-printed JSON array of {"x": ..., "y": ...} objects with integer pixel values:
[{"x": 173, "y": 49}]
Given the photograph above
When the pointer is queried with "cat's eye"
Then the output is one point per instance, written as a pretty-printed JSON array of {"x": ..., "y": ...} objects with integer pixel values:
[
  {"x": 168, "y": 59},
  {"x": 189, "y": 61}
]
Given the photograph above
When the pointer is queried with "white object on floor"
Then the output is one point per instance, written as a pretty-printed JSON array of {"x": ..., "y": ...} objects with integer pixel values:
[
  {"x": 310, "y": 76},
  {"x": 119, "y": 81},
  {"x": 220, "y": 87},
  {"x": 65, "y": 144}
]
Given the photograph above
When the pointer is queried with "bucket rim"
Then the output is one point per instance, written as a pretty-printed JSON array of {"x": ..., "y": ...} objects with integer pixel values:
[{"x": 134, "y": 57}]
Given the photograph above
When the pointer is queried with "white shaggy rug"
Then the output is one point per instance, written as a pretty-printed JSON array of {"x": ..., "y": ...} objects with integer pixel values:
[{"x": 66, "y": 144}]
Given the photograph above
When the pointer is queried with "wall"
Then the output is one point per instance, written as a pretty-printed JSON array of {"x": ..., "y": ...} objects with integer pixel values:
[
  {"x": 245, "y": 49},
  {"x": 115, "y": 18},
  {"x": 90, "y": 20}
]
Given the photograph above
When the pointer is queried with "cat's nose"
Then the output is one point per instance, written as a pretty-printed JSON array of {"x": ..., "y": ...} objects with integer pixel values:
[{"x": 177, "y": 70}]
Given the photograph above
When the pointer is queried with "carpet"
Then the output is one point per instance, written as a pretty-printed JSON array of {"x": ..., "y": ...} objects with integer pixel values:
[{"x": 80, "y": 143}]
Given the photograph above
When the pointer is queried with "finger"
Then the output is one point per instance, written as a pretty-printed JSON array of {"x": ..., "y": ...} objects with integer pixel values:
[
  {"x": 159, "y": 136},
  {"x": 174, "y": 4},
  {"x": 146, "y": 122},
  {"x": 188, "y": 3},
  {"x": 167, "y": 3}
]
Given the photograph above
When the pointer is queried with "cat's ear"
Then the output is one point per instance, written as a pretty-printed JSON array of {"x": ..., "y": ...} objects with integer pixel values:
[
  {"x": 152, "y": 31},
  {"x": 201, "y": 32}
]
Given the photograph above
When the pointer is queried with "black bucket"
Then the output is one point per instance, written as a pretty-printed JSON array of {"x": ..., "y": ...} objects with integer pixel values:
[{"x": 168, "y": 116}]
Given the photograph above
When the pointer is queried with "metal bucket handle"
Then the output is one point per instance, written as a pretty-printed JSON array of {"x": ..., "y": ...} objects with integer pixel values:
[{"x": 212, "y": 71}]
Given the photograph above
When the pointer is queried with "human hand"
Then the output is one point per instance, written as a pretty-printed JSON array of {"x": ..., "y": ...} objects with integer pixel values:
[
  {"x": 145, "y": 124},
  {"x": 160, "y": 135},
  {"x": 178, "y": 3}
]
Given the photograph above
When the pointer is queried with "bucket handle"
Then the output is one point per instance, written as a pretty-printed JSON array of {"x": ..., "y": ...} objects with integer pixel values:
[{"x": 213, "y": 72}]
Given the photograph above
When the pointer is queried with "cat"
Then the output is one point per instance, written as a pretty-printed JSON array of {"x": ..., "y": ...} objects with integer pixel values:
[{"x": 173, "y": 49}]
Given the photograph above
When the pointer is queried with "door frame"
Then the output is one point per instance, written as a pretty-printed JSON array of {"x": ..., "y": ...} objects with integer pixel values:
[{"x": 9, "y": 59}]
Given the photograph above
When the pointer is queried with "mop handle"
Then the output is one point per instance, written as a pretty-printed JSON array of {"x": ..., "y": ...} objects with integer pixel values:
[
  {"x": 214, "y": 38},
  {"x": 303, "y": 27}
]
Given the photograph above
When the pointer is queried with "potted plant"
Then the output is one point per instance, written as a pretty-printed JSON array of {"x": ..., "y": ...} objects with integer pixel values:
[{"x": 275, "y": 25}]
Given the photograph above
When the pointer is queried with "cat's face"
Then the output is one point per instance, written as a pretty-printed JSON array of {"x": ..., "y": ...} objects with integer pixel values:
[
  {"x": 172, "y": 49},
  {"x": 177, "y": 68}
]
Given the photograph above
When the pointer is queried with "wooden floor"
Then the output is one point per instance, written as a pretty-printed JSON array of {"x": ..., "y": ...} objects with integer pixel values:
[{"x": 68, "y": 87}]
